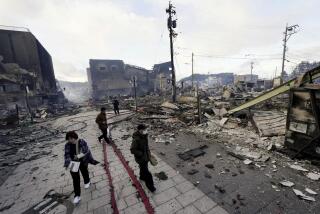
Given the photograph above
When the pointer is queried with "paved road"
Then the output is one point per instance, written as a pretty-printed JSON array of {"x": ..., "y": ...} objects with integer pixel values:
[{"x": 43, "y": 186}]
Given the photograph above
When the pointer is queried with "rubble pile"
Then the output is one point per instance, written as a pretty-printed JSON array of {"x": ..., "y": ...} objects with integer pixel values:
[{"x": 23, "y": 144}]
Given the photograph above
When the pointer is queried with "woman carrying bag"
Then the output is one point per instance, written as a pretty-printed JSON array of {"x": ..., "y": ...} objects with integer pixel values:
[{"x": 77, "y": 156}]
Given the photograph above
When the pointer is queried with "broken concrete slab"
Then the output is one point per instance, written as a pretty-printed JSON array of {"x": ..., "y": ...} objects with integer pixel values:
[
  {"x": 297, "y": 167},
  {"x": 301, "y": 195},
  {"x": 313, "y": 176},
  {"x": 310, "y": 191},
  {"x": 247, "y": 161},
  {"x": 169, "y": 105},
  {"x": 287, "y": 183},
  {"x": 223, "y": 121},
  {"x": 193, "y": 153}
]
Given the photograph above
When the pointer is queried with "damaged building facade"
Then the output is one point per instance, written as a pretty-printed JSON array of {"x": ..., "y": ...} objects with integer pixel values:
[
  {"x": 109, "y": 78},
  {"x": 252, "y": 81},
  {"x": 25, "y": 67}
]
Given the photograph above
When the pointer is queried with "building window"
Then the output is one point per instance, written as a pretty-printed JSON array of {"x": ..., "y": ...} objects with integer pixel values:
[
  {"x": 114, "y": 68},
  {"x": 102, "y": 68},
  {"x": 2, "y": 88}
]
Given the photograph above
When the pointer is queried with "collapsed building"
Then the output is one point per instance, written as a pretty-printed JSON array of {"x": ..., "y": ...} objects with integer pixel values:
[
  {"x": 252, "y": 81},
  {"x": 108, "y": 78},
  {"x": 25, "y": 67},
  {"x": 27, "y": 80},
  {"x": 162, "y": 75}
]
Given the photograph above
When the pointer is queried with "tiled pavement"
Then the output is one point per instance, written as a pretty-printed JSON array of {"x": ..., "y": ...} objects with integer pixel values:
[
  {"x": 30, "y": 181},
  {"x": 174, "y": 195}
]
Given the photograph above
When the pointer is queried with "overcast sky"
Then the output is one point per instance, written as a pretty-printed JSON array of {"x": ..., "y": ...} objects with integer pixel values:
[{"x": 225, "y": 35}]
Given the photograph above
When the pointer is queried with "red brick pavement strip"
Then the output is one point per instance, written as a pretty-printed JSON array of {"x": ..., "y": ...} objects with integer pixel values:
[
  {"x": 137, "y": 184},
  {"x": 113, "y": 198}
]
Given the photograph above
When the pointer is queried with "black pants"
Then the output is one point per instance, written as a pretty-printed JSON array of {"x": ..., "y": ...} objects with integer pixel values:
[
  {"x": 116, "y": 110},
  {"x": 76, "y": 178},
  {"x": 104, "y": 135},
  {"x": 146, "y": 175}
]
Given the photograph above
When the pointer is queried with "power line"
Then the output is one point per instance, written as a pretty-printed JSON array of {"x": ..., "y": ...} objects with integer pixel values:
[{"x": 226, "y": 57}]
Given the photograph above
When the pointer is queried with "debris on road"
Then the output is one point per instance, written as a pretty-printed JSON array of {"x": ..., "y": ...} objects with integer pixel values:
[
  {"x": 193, "y": 153},
  {"x": 161, "y": 175},
  {"x": 310, "y": 191},
  {"x": 192, "y": 171},
  {"x": 209, "y": 166},
  {"x": 313, "y": 176},
  {"x": 303, "y": 196},
  {"x": 297, "y": 167},
  {"x": 287, "y": 183},
  {"x": 247, "y": 161}
]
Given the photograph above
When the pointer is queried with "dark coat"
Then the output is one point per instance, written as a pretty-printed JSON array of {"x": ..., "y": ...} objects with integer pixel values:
[
  {"x": 140, "y": 148},
  {"x": 101, "y": 120},
  {"x": 83, "y": 148},
  {"x": 116, "y": 104}
]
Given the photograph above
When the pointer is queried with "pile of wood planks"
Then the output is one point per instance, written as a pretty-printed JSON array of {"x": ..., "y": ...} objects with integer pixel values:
[{"x": 270, "y": 123}]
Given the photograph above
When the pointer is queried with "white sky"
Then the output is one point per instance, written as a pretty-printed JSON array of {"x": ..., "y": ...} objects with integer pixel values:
[{"x": 73, "y": 31}]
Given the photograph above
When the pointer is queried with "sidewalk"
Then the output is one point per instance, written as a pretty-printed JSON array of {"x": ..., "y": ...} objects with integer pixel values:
[
  {"x": 174, "y": 195},
  {"x": 24, "y": 190}
]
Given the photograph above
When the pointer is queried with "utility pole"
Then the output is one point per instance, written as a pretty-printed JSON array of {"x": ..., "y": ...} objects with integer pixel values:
[
  {"x": 135, "y": 92},
  {"x": 192, "y": 71},
  {"x": 251, "y": 71},
  {"x": 172, "y": 34},
  {"x": 287, "y": 33},
  {"x": 198, "y": 105}
]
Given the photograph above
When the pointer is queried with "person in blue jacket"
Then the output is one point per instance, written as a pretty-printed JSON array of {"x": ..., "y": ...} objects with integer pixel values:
[{"x": 77, "y": 150}]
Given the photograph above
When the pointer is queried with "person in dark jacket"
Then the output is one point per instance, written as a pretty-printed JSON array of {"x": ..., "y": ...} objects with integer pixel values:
[
  {"x": 84, "y": 156},
  {"x": 140, "y": 150},
  {"x": 101, "y": 120},
  {"x": 116, "y": 106}
]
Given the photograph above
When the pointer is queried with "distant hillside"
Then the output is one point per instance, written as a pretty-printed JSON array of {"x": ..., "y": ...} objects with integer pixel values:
[
  {"x": 75, "y": 91},
  {"x": 226, "y": 78}
]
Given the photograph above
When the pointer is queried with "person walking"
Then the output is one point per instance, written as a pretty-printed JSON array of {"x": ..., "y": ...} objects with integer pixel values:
[
  {"x": 140, "y": 149},
  {"x": 101, "y": 120},
  {"x": 116, "y": 106},
  {"x": 76, "y": 151}
]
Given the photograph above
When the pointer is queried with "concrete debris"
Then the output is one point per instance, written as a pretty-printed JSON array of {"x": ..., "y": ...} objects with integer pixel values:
[
  {"x": 161, "y": 175},
  {"x": 313, "y": 176},
  {"x": 271, "y": 147},
  {"x": 301, "y": 195},
  {"x": 223, "y": 121},
  {"x": 297, "y": 167},
  {"x": 310, "y": 191},
  {"x": 275, "y": 188},
  {"x": 209, "y": 166},
  {"x": 193, "y": 153},
  {"x": 166, "y": 138},
  {"x": 252, "y": 155},
  {"x": 220, "y": 112},
  {"x": 247, "y": 161},
  {"x": 168, "y": 105},
  {"x": 192, "y": 171},
  {"x": 219, "y": 188},
  {"x": 287, "y": 183},
  {"x": 187, "y": 100}
]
